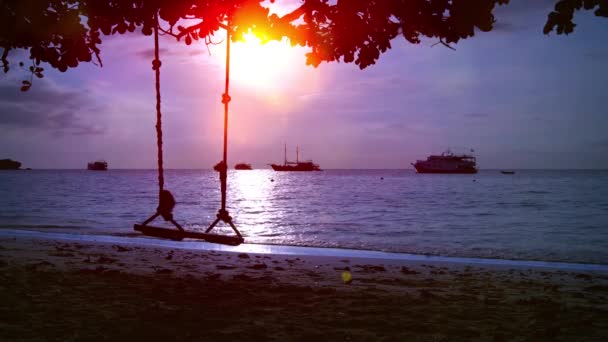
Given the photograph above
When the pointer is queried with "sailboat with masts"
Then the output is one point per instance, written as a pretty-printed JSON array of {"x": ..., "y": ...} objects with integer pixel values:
[{"x": 298, "y": 165}]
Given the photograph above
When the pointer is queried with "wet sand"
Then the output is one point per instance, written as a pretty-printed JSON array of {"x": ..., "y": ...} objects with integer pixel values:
[{"x": 72, "y": 291}]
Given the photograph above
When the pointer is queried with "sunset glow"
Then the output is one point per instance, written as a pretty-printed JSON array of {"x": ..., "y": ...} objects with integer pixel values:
[{"x": 260, "y": 66}]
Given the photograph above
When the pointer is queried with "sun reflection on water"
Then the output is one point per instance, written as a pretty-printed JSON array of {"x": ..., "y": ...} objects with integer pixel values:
[{"x": 251, "y": 192}]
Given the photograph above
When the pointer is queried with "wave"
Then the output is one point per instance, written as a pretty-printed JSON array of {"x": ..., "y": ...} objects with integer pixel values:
[
  {"x": 41, "y": 226},
  {"x": 536, "y": 192}
]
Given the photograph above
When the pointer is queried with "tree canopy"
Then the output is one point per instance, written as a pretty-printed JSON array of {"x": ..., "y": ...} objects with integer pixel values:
[{"x": 64, "y": 33}]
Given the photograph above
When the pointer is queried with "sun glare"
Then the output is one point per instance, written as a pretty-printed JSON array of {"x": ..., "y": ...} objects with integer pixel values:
[
  {"x": 261, "y": 66},
  {"x": 266, "y": 69},
  {"x": 273, "y": 73}
]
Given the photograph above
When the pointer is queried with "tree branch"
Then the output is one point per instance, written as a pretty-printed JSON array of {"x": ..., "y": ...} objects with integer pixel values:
[
  {"x": 289, "y": 17},
  {"x": 295, "y": 14},
  {"x": 444, "y": 44},
  {"x": 195, "y": 27}
]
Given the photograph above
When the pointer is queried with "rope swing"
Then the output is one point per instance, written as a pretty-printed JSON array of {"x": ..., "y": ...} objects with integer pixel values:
[
  {"x": 166, "y": 201},
  {"x": 222, "y": 167}
]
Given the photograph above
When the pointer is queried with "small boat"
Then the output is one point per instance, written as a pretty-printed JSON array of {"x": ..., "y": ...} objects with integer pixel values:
[
  {"x": 99, "y": 165},
  {"x": 448, "y": 163},
  {"x": 297, "y": 165},
  {"x": 504, "y": 172},
  {"x": 243, "y": 166},
  {"x": 9, "y": 164}
]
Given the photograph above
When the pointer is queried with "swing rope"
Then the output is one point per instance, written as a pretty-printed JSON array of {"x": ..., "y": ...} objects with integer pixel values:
[
  {"x": 166, "y": 202},
  {"x": 226, "y": 100},
  {"x": 222, "y": 167},
  {"x": 156, "y": 63}
]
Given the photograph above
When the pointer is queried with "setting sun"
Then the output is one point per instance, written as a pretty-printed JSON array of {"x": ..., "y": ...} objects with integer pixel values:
[
  {"x": 261, "y": 65},
  {"x": 266, "y": 68}
]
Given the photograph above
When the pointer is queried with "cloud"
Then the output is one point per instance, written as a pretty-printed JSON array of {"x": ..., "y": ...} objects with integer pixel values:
[
  {"x": 477, "y": 115},
  {"x": 149, "y": 53},
  {"x": 176, "y": 52},
  {"x": 49, "y": 107},
  {"x": 601, "y": 143},
  {"x": 597, "y": 54},
  {"x": 501, "y": 26}
]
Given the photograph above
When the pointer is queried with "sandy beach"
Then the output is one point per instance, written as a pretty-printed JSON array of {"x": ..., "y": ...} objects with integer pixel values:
[{"x": 71, "y": 291}]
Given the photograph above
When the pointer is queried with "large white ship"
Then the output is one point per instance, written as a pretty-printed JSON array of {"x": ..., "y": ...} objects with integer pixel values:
[{"x": 447, "y": 162}]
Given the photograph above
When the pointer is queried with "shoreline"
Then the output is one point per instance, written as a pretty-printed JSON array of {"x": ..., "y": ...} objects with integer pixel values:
[
  {"x": 140, "y": 240},
  {"x": 54, "y": 289}
]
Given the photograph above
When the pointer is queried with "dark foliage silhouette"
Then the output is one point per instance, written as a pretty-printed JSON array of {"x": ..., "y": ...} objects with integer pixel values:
[{"x": 64, "y": 33}]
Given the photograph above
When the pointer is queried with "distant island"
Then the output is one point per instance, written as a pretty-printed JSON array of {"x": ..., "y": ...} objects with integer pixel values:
[{"x": 9, "y": 164}]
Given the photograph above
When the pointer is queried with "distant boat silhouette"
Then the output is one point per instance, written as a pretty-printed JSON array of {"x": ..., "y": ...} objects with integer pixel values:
[
  {"x": 243, "y": 166},
  {"x": 297, "y": 165},
  {"x": 99, "y": 165},
  {"x": 507, "y": 172},
  {"x": 9, "y": 164},
  {"x": 447, "y": 162}
]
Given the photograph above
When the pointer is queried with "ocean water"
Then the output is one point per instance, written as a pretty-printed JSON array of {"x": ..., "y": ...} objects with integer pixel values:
[{"x": 532, "y": 215}]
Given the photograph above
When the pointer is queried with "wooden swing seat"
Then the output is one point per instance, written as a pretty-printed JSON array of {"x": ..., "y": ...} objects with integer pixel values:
[{"x": 178, "y": 235}]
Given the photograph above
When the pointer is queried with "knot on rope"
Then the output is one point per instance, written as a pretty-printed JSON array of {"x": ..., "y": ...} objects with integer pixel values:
[
  {"x": 156, "y": 64},
  {"x": 166, "y": 203},
  {"x": 221, "y": 167},
  {"x": 223, "y": 215},
  {"x": 226, "y": 98}
]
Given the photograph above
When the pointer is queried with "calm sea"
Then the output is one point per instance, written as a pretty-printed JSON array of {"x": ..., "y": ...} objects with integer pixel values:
[{"x": 536, "y": 215}]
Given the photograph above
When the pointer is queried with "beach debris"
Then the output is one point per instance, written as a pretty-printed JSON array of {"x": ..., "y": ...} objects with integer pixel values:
[
  {"x": 225, "y": 267},
  {"x": 64, "y": 255},
  {"x": 121, "y": 248},
  {"x": 164, "y": 271},
  {"x": 100, "y": 269},
  {"x": 583, "y": 276},
  {"x": 372, "y": 268},
  {"x": 242, "y": 277},
  {"x": 347, "y": 277},
  {"x": 212, "y": 276},
  {"x": 406, "y": 270},
  {"x": 41, "y": 264},
  {"x": 342, "y": 268},
  {"x": 105, "y": 260},
  {"x": 261, "y": 266},
  {"x": 424, "y": 293}
]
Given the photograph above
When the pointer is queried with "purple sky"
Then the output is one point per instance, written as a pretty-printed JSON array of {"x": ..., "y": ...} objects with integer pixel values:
[{"x": 519, "y": 98}]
